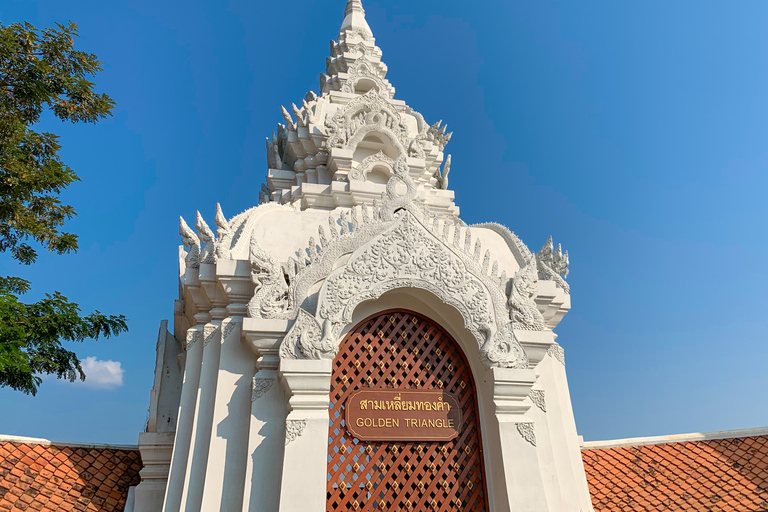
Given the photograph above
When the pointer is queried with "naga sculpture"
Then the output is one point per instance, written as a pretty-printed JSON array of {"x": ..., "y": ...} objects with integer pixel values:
[
  {"x": 208, "y": 254},
  {"x": 522, "y": 304},
  {"x": 553, "y": 264},
  {"x": 272, "y": 297},
  {"x": 224, "y": 233},
  {"x": 192, "y": 244}
]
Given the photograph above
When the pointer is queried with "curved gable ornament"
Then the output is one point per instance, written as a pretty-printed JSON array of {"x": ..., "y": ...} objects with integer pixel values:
[
  {"x": 408, "y": 255},
  {"x": 361, "y": 116}
]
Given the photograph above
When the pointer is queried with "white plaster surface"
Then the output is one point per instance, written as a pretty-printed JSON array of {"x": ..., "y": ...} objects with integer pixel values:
[{"x": 356, "y": 218}]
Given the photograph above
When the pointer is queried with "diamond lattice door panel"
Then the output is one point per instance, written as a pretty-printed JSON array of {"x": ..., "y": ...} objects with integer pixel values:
[{"x": 403, "y": 350}]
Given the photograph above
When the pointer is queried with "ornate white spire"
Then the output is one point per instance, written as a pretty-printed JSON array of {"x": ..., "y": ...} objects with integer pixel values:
[
  {"x": 354, "y": 20},
  {"x": 341, "y": 148},
  {"x": 354, "y": 5},
  {"x": 355, "y": 63}
]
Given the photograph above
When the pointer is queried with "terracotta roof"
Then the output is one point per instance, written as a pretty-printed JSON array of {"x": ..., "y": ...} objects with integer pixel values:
[
  {"x": 719, "y": 475},
  {"x": 43, "y": 477}
]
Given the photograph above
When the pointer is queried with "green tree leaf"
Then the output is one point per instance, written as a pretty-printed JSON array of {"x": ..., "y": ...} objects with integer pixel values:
[{"x": 41, "y": 70}]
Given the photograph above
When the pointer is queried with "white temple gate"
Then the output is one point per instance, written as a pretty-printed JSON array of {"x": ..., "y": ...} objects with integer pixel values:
[{"x": 356, "y": 221}]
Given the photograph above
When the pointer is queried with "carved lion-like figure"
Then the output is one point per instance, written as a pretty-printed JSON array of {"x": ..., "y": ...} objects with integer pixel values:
[
  {"x": 522, "y": 301},
  {"x": 272, "y": 297}
]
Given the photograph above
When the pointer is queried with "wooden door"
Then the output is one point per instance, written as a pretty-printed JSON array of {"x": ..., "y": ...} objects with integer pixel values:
[{"x": 403, "y": 350}]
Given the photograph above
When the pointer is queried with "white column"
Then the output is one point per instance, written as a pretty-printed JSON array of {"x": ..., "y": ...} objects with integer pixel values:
[
  {"x": 266, "y": 439},
  {"x": 565, "y": 441},
  {"x": 305, "y": 460},
  {"x": 547, "y": 457},
  {"x": 201, "y": 433},
  {"x": 185, "y": 426},
  {"x": 156, "y": 452},
  {"x": 227, "y": 454},
  {"x": 520, "y": 461}
]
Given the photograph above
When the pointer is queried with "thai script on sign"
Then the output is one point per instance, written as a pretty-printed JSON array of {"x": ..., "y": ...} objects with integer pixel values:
[
  {"x": 403, "y": 415},
  {"x": 398, "y": 404}
]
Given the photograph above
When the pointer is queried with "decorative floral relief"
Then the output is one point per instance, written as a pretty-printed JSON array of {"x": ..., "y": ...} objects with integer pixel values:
[
  {"x": 260, "y": 387},
  {"x": 362, "y": 70},
  {"x": 329, "y": 252},
  {"x": 537, "y": 397},
  {"x": 405, "y": 253},
  {"x": 228, "y": 330},
  {"x": 371, "y": 110},
  {"x": 294, "y": 429},
  {"x": 408, "y": 255},
  {"x": 556, "y": 351},
  {"x": 192, "y": 338},
  {"x": 527, "y": 431},
  {"x": 360, "y": 172},
  {"x": 362, "y": 34},
  {"x": 504, "y": 351},
  {"x": 305, "y": 340},
  {"x": 209, "y": 333}
]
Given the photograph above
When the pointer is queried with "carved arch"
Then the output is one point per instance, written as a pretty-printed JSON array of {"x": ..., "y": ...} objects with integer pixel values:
[
  {"x": 380, "y": 159},
  {"x": 367, "y": 113},
  {"x": 378, "y": 129},
  {"x": 362, "y": 70},
  {"x": 408, "y": 255}
]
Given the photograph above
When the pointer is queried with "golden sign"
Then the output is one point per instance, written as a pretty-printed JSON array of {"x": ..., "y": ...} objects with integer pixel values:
[{"x": 403, "y": 415}]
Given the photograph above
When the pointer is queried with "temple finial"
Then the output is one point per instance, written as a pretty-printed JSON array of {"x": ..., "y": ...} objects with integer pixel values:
[
  {"x": 354, "y": 19},
  {"x": 354, "y": 5}
]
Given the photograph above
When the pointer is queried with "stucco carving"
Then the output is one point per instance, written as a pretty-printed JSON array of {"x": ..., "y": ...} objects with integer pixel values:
[
  {"x": 397, "y": 248},
  {"x": 442, "y": 181},
  {"x": 209, "y": 333},
  {"x": 522, "y": 303},
  {"x": 556, "y": 351},
  {"x": 305, "y": 340},
  {"x": 538, "y": 398},
  {"x": 408, "y": 255},
  {"x": 519, "y": 250},
  {"x": 228, "y": 329},
  {"x": 504, "y": 351},
  {"x": 191, "y": 243},
  {"x": 192, "y": 338},
  {"x": 527, "y": 431},
  {"x": 362, "y": 34},
  {"x": 293, "y": 430},
  {"x": 208, "y": 253},
  {"x": 371, "y": 112},
  {"x": 242, "y": 225},
  {"x": 224, "y": 233},
  {"x": 437, "y": 134},
  {"x": 330, "y": 251},
  {"x": 360, "y": 172},
  {"x": 272, "y": 297},
  {"x": 362, "y": 70},
  {"x": 260, "y": 387},
  {"x": 553, "y": 264}
]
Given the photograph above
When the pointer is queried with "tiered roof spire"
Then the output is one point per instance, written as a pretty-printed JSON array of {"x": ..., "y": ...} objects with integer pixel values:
[
  {"x": 341, "y": 148},
  {"x": 354, "y": 18}
]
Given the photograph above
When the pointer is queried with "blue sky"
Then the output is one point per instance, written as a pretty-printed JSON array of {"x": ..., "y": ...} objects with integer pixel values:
[{"x": 634, "y": 132}]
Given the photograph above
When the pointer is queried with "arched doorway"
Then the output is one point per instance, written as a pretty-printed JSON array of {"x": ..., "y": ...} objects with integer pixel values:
[{"x": 403, "y": 350}]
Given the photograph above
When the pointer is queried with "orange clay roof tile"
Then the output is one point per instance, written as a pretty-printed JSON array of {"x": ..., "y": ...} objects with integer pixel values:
[
  {"x": 48, "y": 478},
  {"x": 725, "y": 475}
]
